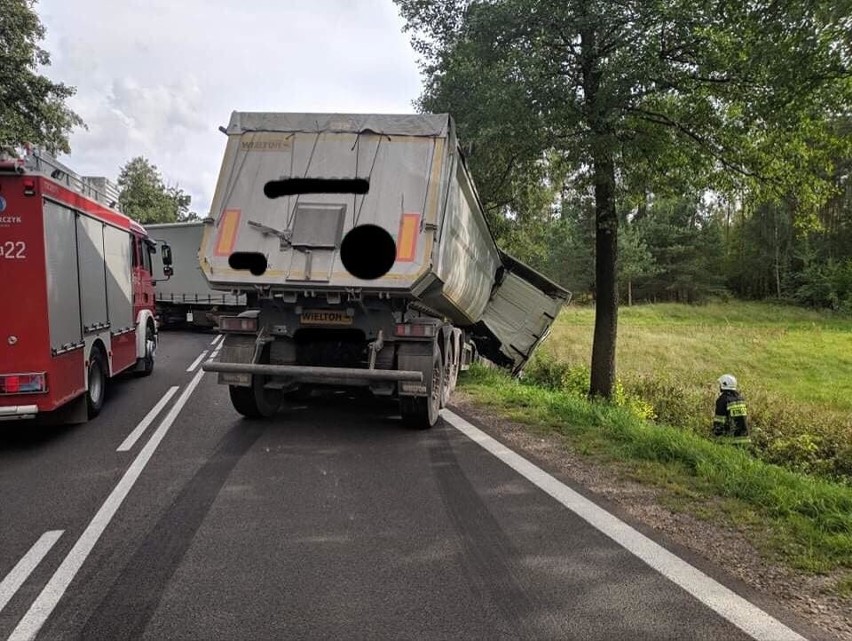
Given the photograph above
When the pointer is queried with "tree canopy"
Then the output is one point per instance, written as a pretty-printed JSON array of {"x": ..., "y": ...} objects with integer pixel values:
[
  {"x": 623, "y": 98},
  {"x": 33, "y": 109},
  {"x": 146, "y": 198}
]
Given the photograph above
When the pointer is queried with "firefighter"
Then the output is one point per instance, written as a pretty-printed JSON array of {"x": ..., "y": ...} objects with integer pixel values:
[{"x": 731, "y": 417}]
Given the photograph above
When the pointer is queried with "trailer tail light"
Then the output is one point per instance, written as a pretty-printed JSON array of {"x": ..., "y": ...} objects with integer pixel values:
[
  {"x": 406, "y": 243},
  {"x": 23, "y": 383},
  {"x": 229, "y": 226},
  {"x": 238, "y": 324},
  {"x": 417, "y": 330}
]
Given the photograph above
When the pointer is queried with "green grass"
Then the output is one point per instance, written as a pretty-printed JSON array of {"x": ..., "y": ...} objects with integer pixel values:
[
  {"x": 802, "y": 355},
  {"x": 844, "y": 587},
  {"x": 805, "y": 522},
  {"x": 793, "y": 365}
]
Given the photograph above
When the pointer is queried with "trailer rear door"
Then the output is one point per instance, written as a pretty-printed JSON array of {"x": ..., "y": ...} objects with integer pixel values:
[{"x": 521, "y": 310}]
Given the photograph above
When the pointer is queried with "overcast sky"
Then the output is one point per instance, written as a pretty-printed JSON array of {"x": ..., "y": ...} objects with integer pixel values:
[{"x": 158, "y": 77}]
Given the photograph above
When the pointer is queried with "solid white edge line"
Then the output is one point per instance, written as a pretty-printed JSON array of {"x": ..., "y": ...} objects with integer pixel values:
[
  {"x": 197, "y": 361},
  {"x": 745, "y": 615},
  {"x": 216, "y": 340},
  {"x": 23, "y": 568},
  {"x": 49, "y": 597},
  {"x": 131, "y": 439}
]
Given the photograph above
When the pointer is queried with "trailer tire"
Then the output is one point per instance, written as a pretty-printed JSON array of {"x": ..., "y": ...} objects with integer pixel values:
[
  {"x": 457, "y": 351},
  {"x": 150, "y": 343},
  {"x": 421, "y": 412},
  {"x": 97, "y": 378},
  {"x": 451, "y": 372},
  {"x": 255, "y": 402},
  {"x": 300, "y": 394}
]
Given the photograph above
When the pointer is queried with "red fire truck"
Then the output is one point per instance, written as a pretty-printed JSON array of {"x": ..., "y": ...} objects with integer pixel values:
[{"x": 76, "y": 291}]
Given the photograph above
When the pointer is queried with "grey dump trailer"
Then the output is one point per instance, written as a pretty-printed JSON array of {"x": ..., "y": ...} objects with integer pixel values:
[
  {"x": 368, "y": 261},
  {"x": 186, "y": 298}
]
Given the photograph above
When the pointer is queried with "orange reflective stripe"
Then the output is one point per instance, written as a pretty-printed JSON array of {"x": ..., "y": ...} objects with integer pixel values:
[
  {"x": 227, "y": 237},
  {"x": 406, "y": 242}
]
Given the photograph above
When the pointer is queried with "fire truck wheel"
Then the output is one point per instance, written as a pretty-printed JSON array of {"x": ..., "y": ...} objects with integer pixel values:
[
  {"x": 255, "y": 402},
  {"x": 150, "y": 346},
  {"x": 422, "y": 412},
  {"x": 97, "y": 383}
]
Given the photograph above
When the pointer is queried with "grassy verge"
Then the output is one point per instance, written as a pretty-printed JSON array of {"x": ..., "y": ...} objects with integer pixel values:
[
  {"x": 794, "y": 367},
  {"x": 803, "y": 521}
]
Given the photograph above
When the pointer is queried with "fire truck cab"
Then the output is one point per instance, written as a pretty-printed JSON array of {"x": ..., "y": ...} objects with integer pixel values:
[{"x": 76, "y": 291}]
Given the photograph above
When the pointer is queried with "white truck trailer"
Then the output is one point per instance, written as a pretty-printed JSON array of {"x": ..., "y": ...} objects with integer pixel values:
[
  {"x": 186, "y": 298},
  {"x": 363, "y": 246}
]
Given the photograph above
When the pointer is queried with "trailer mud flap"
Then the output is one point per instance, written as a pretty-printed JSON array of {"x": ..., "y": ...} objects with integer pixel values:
[
  {"x": 237, "y": 349},
  {"x": 415, "y": 357}
]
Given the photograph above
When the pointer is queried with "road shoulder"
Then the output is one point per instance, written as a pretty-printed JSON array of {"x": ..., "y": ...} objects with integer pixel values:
[{"x": 706, "y": 544}]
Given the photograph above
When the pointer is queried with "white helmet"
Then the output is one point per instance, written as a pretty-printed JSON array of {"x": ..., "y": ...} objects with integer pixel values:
[{"x": 727, "y": 382}]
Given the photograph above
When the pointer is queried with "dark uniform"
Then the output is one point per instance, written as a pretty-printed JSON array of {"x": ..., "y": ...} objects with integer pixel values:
[{"x": 731, "y": 417}]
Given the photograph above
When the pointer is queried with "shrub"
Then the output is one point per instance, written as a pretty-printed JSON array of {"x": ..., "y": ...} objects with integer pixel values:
[
  {"x": 545, "y": 371},
  {"x": 672, "y": 403},
  {"x": 801, "y": 439},
  {"x": 827, "y": 284}
]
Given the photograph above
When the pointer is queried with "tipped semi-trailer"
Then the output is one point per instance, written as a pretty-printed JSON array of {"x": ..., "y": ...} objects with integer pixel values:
[{"x": 366, "y": 259}]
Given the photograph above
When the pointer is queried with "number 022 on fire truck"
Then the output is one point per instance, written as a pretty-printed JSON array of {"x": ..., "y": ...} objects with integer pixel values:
[{"x": 76, "y": 289}]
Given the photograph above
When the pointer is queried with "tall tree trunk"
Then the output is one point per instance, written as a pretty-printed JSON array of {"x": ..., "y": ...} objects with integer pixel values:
[
  {"x": 606, "y": 253},
  {"x": 777, "y": 258},
  {"x": 606, "y": 221}
]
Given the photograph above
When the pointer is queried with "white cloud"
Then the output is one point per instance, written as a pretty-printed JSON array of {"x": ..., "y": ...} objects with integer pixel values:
[{"x": 157, "y": 77}]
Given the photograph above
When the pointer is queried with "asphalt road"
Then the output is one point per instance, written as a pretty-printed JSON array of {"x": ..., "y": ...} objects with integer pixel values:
[{"x": 331, "y": 521}]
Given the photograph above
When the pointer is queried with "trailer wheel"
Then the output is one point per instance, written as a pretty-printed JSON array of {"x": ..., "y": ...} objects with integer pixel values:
[
  {"x": 150, "y": 346},
  {"x": 454, "y": 373},
  {"x": 422, "y": 412},
  {"x": 255, "y": 402},
  {"x": 451, "y": 372},
  {"x": 96, "y": 390}
]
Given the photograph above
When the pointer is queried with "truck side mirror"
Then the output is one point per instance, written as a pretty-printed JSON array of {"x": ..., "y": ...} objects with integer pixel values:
[{"x": 166, "y": 253}]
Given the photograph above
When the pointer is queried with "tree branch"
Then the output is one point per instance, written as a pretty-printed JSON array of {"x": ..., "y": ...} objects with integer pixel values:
[{"x": 701, "y": 141}]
